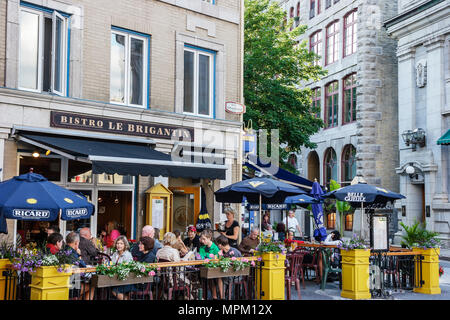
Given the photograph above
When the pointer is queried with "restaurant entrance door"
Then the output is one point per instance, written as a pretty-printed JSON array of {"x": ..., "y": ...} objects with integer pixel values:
[{"x": 186, "y": 207}]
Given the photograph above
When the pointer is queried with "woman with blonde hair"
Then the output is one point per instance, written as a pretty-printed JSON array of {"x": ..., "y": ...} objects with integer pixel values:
[
  {"x": 167, "y": 252},
  {"x": 231, "y": 227}
]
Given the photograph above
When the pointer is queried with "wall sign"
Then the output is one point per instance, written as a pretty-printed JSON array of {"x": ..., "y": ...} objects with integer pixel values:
[
  {"x": 119, "y": 126},
  {"x": 234, "y": 107}
]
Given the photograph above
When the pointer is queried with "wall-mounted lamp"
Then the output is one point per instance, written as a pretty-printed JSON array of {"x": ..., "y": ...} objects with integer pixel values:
[
  {"x": 35, "y": 154},
  {"x": 414, "y": 137}
]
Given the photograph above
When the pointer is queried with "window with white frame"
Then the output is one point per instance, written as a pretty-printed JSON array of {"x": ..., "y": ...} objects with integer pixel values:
[
  {"x": 129, "y": 68},
  {"x": 210, "y": 1},
  {"x": 43, "y": 50},
  {"x": 198, "y": 81}
]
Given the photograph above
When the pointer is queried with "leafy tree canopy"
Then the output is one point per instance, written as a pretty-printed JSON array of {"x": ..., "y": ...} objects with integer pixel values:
[{"x": 275, "y": 65}]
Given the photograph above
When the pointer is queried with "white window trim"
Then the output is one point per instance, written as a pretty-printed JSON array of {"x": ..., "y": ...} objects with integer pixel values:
[
  {"x": 64, "y": 47},
  {"x": 197, "y": 53},
  {"x": 128, "y": 37}
]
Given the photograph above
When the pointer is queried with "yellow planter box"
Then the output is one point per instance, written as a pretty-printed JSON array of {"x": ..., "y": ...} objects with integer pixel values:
[
  {"x": 272, "y": 282},
  {"x": 3, "y": 264},
  {"x": 49, "y": 284},
  {"x": 355, "y": 274},
  {"x": 430, "y": 271}
]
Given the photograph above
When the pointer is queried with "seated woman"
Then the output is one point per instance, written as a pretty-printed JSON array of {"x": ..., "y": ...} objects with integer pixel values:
[
  {"x": 179, "y": 245},
  {"x": 281, "y": 230},
  {"x": 145, "y": 247},
  {"x": 121, "y": 255},
  {"x": 167, "y": 252},
  {"x": 54, "y": 242}
]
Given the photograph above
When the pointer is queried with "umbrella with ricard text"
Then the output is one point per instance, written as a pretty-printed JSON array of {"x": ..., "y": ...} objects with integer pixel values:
[
  {"x": 32, "y": 197},
  {"x": 257, "y": 191}
]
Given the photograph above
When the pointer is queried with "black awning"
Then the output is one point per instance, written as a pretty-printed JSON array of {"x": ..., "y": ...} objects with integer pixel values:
[{"x": 125, "y": 158}]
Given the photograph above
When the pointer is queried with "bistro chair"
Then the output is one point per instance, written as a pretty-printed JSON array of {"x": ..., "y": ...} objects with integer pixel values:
[
  {"x": 328, "y": 268},
  {"x": 102, "y": 258},
  {"x": 293, "y": 262},
  {"x": 312, "y": 265}
]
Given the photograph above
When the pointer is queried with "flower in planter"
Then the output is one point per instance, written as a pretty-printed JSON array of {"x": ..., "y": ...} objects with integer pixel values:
[
  {"x": 354, "y": 243},
  {"x": 441, "y": 271}
]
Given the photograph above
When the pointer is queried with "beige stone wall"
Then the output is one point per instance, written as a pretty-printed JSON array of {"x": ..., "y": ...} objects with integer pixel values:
[{"x": 2, "y": 41}]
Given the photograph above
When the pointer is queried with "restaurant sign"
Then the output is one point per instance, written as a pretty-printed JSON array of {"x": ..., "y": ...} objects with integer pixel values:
[
  {"x": 355, "y": 197},
  {"x": 119, "y": 126},
  {"x": 268, "y": 206},
  {"x": 30, "y": 214},
  {"x": 77, "y": 213}
]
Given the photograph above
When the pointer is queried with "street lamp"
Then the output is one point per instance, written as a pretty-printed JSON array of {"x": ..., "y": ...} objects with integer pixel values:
[{"x": 414, "y": 137}]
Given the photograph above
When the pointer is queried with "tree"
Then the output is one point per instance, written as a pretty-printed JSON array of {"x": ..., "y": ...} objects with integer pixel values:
[
  {"x": 341, "y": 206},
  {"x": 275, "y": 65}
]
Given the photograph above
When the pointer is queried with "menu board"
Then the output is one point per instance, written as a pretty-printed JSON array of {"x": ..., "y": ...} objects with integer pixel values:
[
  {"x": 380, "y": 233},
  {"x": 158, "y": 213}
]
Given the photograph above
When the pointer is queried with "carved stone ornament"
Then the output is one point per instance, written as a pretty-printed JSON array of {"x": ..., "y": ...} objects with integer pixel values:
[{"x": 421, "y": 73}]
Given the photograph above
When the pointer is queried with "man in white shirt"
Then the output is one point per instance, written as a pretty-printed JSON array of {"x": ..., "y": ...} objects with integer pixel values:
[{"x": 292, "y": 223}]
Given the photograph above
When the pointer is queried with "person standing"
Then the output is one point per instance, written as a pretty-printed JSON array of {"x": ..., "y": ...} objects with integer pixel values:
[
  {"x": 231, "y": 227},
  {"x": 292, "y": 223}
]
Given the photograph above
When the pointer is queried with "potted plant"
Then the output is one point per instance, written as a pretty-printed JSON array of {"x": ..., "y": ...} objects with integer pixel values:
[
  {"x": 225, "y": 267},
  {"x": 425, "y": 243},
  {"x": 124, "y": 273},
  {"x": 355, "y": 268},
  {"x": 6, "y": 253}
]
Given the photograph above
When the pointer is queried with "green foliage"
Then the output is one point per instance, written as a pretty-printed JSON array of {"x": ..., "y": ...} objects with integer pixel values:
[
  {"x": 122, "y": 270},
  {"x": 419, "y": 237},
  {"x": 274, "y": 66},
  {"x": 271, "y": 246},
  {"x": 341, "y": 206},
  {"x": 226, "y": 264}
]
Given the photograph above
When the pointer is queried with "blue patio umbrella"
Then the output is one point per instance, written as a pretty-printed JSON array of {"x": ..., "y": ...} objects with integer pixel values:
[
  {"x": 257, "y": 191},
  {"x": 203, "y": 222},
  {"x": 32, "y": 197},
  {"x": 320, "y": 233},
  {"x": 302, "y": 200},
  {"x": 363, "y": 195}
]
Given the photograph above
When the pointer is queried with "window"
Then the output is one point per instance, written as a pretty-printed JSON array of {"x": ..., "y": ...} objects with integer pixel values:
[
  {"x": 349, "y": 98},
  {"x": 332, "y": 45},
  {"x": 331, "y": 220},
  {"x": 291, "y": 16},
  {"x": 198, "y": 81},
  {"x": 312, "y": 9},
  {"x": 297, "y": 15},
  {"x": 330, "y": 166},
  {"x": 349, "y": 222},
  {"x": 331, "y": 104},
  {"x": 43, "y": 50},
  {"x": 49, "y": 167},
  {"x": 210, "y": 1},
  {"x": 318, "y": 6},
  {"x": 327, "y": 4},
  {"x": 316, "y": 100},
  {"x": 348, "y": 165},
  {"x": 350, "y": 33},
  {"x": 315, "y": 45},
  {"x": 129, "y": 68}
]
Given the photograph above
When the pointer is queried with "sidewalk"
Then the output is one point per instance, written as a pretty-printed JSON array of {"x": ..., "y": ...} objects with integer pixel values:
[{"x": 445, "y": 254}]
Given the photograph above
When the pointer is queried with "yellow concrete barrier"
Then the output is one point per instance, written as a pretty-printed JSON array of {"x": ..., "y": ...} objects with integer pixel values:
[
  {"x": 355, "y": 274},
  {"x": 430, "y": 271},
  {"x": 49, "y": 284},
  {"x": 3, "y": 264},
  {"x": 271, "y": 280}
]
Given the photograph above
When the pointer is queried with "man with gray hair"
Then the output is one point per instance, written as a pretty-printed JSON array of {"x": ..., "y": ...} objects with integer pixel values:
[
  {"x": 87, "y": 247},
  {"x": 72, "y": 245},
  {"x": 147, "y": 231},
  {"x": 249, "y": 243}
]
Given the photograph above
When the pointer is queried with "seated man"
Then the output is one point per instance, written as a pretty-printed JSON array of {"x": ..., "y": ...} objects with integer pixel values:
[
  {"x": 192, "y": 240},
  {"x": 147, "y": 231},
  {"x": 87, "y": 248},
  {"x": 249, "y": 243},
  {"x": 227, "y": 252}
]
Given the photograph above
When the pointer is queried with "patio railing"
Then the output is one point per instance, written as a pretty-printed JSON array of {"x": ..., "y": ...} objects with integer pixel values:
[{"x": 172, "y": 281}]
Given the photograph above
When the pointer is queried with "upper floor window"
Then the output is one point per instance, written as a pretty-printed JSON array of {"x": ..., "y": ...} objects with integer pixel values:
[
  {"x": 129, "y": 68},
  {"x": 350, "y": 33},
  {"x": 43, "y": 50},
  {"x": 315, "y": 45},
  {"x": 331, "y": 104},
  {"x": 316, "y": 100},
  {"x": 297, "y": 15},
  {"x": 312, "y": 8},
  {"x": 210, "y": 1},
  {"x": 332, "y": 45},
  {"x": 198, "y": 81},
  {"x": 327, "y": 4},
  {"x": 349, "y": 98}
]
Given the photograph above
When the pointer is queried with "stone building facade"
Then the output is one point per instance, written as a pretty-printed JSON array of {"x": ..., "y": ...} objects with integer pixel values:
[
  {"x": 358, "y": 96},
  {"x": 161, "y": 63},
  {"x": 422, "y": 29}
]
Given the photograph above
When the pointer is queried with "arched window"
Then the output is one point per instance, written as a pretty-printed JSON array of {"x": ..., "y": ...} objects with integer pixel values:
[
  {"x": 298, "y": 9},
  {"x": 332, "y": 43},
  {"x": 350, "y": 32},
  {"x": 349, "y": 110},
  {"x": 348, "y": 164},
  {"x": 315, "y": 45},
  {"x": 331, "y": 104},
  {"x": 313, "y": 166},
  {"x": 330, "y": 167}
]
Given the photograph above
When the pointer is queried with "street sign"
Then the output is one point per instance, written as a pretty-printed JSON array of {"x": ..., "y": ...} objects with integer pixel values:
[{"x": 234, "y": 107}]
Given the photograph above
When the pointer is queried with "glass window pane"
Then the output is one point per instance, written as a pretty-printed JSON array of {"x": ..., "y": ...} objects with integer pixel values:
[
  {"x": 117, "y": 81},
  {"x": 47, "y": 58},
  {"x": 59, "y": 38},
  {"x": 80, "y": 172},
  {"x": 188, "y": 81},
  {"x": 29, "y": 50},
  {"x": 50, "y": 168},
  {"x": 204, "y": 85},
  {"x": 114, "y": 179},
  {"x": 137, "y": 71}
]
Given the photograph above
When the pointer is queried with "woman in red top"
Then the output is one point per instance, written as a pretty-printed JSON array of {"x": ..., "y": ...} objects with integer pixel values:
[
  {"x": 112, "y": 234},
  {"x": 54, "y": 242}
]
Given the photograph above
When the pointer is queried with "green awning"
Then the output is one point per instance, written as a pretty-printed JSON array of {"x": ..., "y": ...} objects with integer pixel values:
[{"x": 445, "y": 139}]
